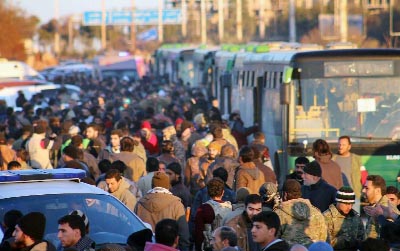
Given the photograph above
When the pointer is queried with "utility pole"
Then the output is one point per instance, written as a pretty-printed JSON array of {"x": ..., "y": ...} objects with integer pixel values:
[
  {"x": 203, "y": 22},
  {"x": 261, "y": 16},
  {"x": 103, "y": 25},
  {"x": 220, "y": 20},
  {"x": 160, "y": 21},
  {"x": 70, "y": 34},
  {"x": 239, "y": 24},
  {"x": 343, "y": 21},
  {"x": 184, "y": 18},
  {"x": 133, "y": 27},
  {"x": 292, "y": 21},
  {"x": 57, "y": 33}
]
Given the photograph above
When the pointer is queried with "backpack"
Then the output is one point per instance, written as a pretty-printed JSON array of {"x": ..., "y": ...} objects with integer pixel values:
[{"x": 220, "y": 211}]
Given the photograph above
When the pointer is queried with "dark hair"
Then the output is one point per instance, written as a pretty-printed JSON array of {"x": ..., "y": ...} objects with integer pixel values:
[
  {"x": 152, "y": 164},
  {"x": 113, "y": 173},
  {"x": 246, "y": 153},
  {"x": 216, "y": 131},
  {"x": 23, "y": 154},
  {"x": 167, "y": 146},
  {"x": 392, "y": 190},
  {"x": 71, "y": 151},
  {"x": 321, "y": 147},
  {"x": 345, "y": 137},
  {"x": 138, "y": 239},
  {"x": 119, "y": 165},
  {"x": 215, "y": 187},
  {"x": 127, "y": 144},
  {"x": 76, "y": 140},
  {"x": 95, "y": 127},
  {"x": 301, "y": 160},
  {"x": 378, "y": 182},
  {"x": 270, "y": 219},
  {"x": 13, "y": 164},
  {"x": 221, "y": 173},
  {"x": 11, "y": 218},
  {"x": 75, "y": 222},
  {"x": 292, "y": 188},
  {"x": 104, "y": 165},
  {"x": 166, "y": 232},
  {"x": 116, "y": 132},
  {"x": 228, "y": 233},
  {"x": 252, "y": 199}
]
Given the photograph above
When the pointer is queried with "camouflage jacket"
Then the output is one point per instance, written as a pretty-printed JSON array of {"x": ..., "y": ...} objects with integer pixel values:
[
  {"x": 343, "y": 231},
  {"x": 301, "y": 222}
]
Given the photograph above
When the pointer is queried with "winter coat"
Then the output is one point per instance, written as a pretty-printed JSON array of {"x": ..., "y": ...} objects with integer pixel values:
[
  {"x": 136, "y": 166},
  {"x": 41, "y": 246},
  {"x": 320, "y": 194},
  {"x": 158, "y": 204},
  {"x": 242, "y": 225},
  {"x": 158, "y": 247},
  {"x": 301, "y": 222},
  {"x": 248, "y": 175},
  {"x": 331, "y": 171},
  {"x": 344, "y": 231}
]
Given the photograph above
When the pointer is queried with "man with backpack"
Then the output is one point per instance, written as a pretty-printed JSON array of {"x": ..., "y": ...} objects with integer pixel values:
[{"x": 210, "y": 214}]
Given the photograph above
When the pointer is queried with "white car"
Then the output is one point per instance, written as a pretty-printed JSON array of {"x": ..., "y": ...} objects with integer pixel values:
[{"x": 57, "y": 192}]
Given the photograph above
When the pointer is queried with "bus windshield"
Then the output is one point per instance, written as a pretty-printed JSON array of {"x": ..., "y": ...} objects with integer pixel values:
[{"x": 365, "y": 108}]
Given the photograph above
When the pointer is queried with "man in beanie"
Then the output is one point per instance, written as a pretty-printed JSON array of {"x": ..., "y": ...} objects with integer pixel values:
[
  {"x": 316, "y": 189},
  {"x": 29, "y": 233},
  {"x": 159, "y": 203},
  {"x": 345, "y": 227},
  {"x": 301, "y": 222},
  {"x": 174, "y": 171}
]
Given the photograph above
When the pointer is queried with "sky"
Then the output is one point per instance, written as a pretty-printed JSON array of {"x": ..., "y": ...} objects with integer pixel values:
[{"x": 45, "y": 9}]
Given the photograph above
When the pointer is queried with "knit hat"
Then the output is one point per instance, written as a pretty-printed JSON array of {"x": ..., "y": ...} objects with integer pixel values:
[
  {"x": 33, "y": 225},
  {"x": 160, "y": 179},
  {"x": 82, "y": 215},
  {"x": 320, "y": 246},
  {"x": 345, "y": 195},
  {"x": 313, "y": 168},
  {"x": 175, "y": 167},
  {"x": 268, "y": 190}
]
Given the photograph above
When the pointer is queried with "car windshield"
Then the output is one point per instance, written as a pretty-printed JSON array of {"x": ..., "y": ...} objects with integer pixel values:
[{"x": 109, "y": 220}]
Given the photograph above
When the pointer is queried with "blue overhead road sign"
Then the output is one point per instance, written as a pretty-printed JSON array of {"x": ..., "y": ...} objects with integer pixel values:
[{"x": 142, "y": 17}]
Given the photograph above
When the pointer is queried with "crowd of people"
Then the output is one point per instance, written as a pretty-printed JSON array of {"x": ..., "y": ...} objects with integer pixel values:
[{"x": 168, "y": 154}]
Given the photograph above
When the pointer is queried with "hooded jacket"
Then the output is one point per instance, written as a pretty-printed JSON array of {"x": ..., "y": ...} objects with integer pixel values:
[
  {"x": 124, "y": 195},
  {"x": 160, "y": 204},
  {"x": 301, "y": 222},
  {"x": 331, "y": 171},
  {"x": 158, "y": 247},
  {"x": 248, "y": 175}
]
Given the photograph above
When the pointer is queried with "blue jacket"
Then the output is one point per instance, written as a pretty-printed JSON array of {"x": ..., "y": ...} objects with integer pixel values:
[{"x": 320, "y": 194}]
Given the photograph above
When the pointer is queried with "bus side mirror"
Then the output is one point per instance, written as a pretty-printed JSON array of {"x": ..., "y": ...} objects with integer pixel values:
[
  {"x": 226, "y": 79},
  {"x": 287, "y": 74}
]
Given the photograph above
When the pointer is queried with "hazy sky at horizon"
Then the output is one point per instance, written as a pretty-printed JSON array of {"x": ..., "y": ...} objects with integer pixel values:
[{"x": 45, "y": 9}]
